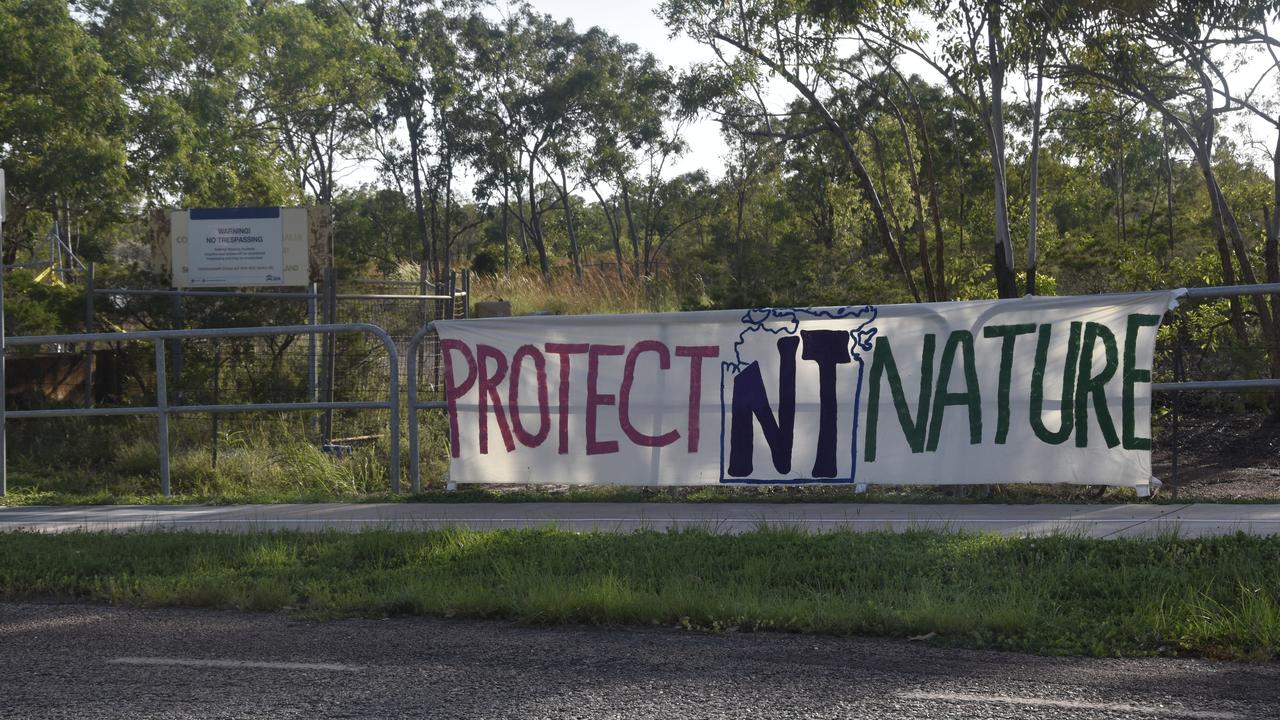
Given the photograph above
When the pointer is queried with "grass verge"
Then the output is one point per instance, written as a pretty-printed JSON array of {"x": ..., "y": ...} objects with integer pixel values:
[{"x": 1215, "y": 597}]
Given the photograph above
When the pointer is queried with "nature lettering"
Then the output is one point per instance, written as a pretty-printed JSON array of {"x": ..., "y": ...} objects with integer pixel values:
[{"x": 1084, "y": 384}]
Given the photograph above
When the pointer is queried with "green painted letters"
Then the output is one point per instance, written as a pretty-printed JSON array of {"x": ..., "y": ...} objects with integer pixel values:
[
  {"x": 971, "y": 397},
  {"x": 1068, "y": 384},
  {"x": 1089, "y": 384},
  {"x": 882, "y": 363},
  {"x": 1132, "y": 375},
  {"x": 1010, "y": 335}
]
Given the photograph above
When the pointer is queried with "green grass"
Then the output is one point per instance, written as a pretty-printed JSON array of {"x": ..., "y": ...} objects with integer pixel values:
[{"x": 1215, "y": 597}]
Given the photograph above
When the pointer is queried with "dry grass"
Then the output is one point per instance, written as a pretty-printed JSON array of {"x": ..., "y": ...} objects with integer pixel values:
[{"x": 601, "y": 292}]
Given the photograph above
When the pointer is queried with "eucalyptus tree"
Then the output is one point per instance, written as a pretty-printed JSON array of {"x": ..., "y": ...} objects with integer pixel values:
[
  {"x": 314, "y": 83},
  {"x": 634, "y": 131},
  {"x": 802, "y": 46},
  {"x": 1175, "y": 59},
  {"x": 197, "y": 131},
  {"x": 541, "y": 108},
  {"x": 542, "y": 88},
  {"x": 63, "y": 122},
  {"x": 413, "y": 53},
  {"x": 494, "y": 84}
]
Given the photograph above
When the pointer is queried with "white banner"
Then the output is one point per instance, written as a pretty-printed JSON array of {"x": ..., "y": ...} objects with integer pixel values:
[{"x": 1033, "y": 390}]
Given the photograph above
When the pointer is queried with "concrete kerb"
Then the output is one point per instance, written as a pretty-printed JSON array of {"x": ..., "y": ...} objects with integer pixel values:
[{"x": 1102, "y": 521}]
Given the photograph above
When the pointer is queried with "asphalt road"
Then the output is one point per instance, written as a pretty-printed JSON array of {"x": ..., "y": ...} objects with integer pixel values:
[
  {"x": 1105, "y": 521},
  {"x": 82, "y": 661}
]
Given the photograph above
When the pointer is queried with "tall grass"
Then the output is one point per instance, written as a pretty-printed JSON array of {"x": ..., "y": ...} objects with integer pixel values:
[
  {"x": 268, "y": 457},
  {"x": 601, "y": 292},
  {"x": 1217, "y": 597}
]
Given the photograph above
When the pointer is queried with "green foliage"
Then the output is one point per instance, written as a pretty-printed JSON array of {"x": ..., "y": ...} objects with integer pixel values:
[
  {"x": 864, "y": 183},
  {"x": 63, "y": 128},
  {"x": 486, "y": 261},
  {"x": 32, "y": 308}
]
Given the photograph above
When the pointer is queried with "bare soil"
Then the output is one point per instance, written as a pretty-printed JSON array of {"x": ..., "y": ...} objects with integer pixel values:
[{"x": 1222, "y": 458}]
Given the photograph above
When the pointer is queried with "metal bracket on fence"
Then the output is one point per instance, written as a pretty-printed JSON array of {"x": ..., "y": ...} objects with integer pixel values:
[{"x": 162, "y": 410}]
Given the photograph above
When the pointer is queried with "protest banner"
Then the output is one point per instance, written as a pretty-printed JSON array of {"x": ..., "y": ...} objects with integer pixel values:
[{"x": 1035, "y": 390}]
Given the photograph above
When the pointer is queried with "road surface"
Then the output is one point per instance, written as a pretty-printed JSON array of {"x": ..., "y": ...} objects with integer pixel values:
[{"x": 79, "y": 661}]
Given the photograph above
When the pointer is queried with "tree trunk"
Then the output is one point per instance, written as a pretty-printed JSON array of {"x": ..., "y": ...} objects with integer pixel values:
[
  {"x": 522, "y": 238},
  {"x": 631, "y": 225},
  {"x": 1033, "y": 258},
  {"x": 535, "y": 224},
  {"x": 414, "y": 145},
  {"x": 1006, "y": 280},
  {"x": 1168, "y": 194},
  {"x": 447, "y": 235},
  {"x": 615, "y": 232},
  {"x": 506, "y": 227},
  {"x": 563, "y": 187}
]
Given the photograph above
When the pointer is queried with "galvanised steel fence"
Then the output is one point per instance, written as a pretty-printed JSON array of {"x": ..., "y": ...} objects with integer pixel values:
[
  {"x": 333, "y": 363},
  {"x": 421, "y": 354},
  {"x": 163, "y": 408}
]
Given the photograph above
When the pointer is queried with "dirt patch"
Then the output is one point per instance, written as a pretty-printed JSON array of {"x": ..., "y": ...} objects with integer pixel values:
[{"x": 1221, "y": 458}]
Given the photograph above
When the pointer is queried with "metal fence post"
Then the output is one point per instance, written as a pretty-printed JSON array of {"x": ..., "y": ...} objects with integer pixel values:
[
  {"x": 1179, "y": 375},
  {"x": 4, "y": 394},
  {"x": 88, "y": 328},
  {"x": 176, "y": 350},
  {"x": 451, "y": 287},
  {"x": 411, "y": 377},
  {"x": 393, "y": 401},
  {"x": 162, "y": 415},
  {"x": 466, "y": 293},
  {"x": 311, "y": 344},
  {"x": 329, "y": 350},
  {"x": 213, "y": 417},
  {"x": 313, "y": 394}
]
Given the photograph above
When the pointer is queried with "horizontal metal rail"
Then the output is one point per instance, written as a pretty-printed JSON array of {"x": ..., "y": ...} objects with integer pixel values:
[
  {"x": 1224, "y": 291},
  {"x": 162, "y": 410},
  {"x": 285, "y": 295},
  {"x": 1217, "y": 385},
  {"x": 367, "y": 296}
]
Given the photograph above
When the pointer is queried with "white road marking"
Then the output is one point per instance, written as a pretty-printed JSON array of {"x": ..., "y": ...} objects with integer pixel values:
[
  {"x": 234, "y": 664},
  {"x": 1076, "y": 705}
]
